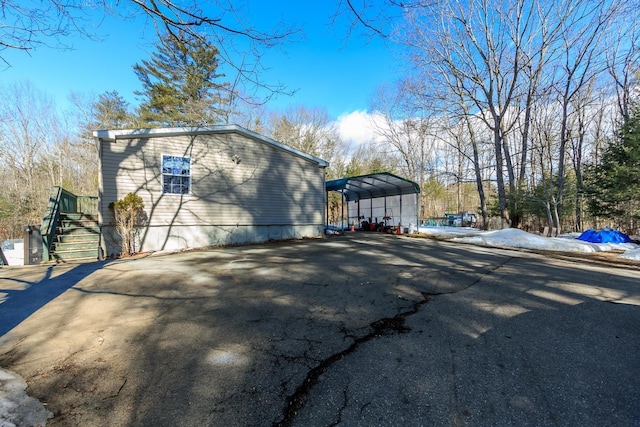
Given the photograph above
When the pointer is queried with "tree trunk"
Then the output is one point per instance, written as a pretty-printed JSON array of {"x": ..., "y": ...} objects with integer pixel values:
[{"x": 502, "y": 199}]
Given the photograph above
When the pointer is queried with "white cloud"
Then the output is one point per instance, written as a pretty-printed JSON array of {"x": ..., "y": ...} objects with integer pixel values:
[{"x": 357, "y": 127}]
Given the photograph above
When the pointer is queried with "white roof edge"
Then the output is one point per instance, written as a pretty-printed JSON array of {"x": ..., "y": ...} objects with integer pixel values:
[{"x": 114, "y": 135}]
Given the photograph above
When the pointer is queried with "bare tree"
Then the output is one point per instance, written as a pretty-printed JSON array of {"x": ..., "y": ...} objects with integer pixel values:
[
  {"x": 309, "y": 130},
  {"x": 404, "y": 121},
  {"x": 28, "y": 25},
  {"x": 622, "y": 58},
  {"x": 31, "y": 158},
  {"x": 465, "y": 135},
  {"x": 499, "y": 61},
  {"x": 27, "y": 118},
  {"x": 482, "y": 49},
  {"x": 371, "y": 18},
  {"x": 581, "y": 61},
  {"x": 543, "y": 147},
  {"x": 578, "y": 146}
]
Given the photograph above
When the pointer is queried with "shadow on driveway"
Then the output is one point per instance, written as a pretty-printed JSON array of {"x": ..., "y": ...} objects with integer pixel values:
[
  {"x": 25, "y": 290},
  {"x": 362, "y": 329}
]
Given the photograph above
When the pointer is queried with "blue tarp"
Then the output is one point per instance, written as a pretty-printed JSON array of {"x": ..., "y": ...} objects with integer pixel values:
[{"x": 605, "y": 235}]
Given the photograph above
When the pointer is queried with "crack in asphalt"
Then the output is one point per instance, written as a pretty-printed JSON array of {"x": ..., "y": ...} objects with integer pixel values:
[
  {"x": 384, "y": 326},
  {"x": 345, "y": 401},
  {"x": 381, "y": 327}
]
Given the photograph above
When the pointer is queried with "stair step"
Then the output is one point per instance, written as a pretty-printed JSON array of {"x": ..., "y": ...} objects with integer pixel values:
[
  {"x": 78, "y": 216},
  {"x": 77, "y": 238},
  {"x": 77, "y": 223},
  {"x": 68, "y": 255},
  {"x": 58, "y": 247},
  {"x": 69, "y": 231},
  {"x": 64, "y": 223}
]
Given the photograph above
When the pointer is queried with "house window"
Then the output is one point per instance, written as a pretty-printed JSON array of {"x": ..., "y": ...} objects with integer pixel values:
[{"x": 176, "y": 174}]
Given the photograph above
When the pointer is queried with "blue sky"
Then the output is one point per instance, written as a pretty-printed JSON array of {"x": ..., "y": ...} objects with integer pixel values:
[{"x": 326, "y": 70}]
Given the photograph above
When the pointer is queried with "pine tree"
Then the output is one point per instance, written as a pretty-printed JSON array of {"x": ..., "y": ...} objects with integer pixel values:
[
  {"x": 179, "y": 87},
  {"x": 615, "y": 183},
  {"x": 111, "y": 112}
]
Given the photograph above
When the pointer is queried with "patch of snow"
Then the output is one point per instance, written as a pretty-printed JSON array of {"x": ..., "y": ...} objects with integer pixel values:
[
  {"x": 16, "y": 407},
  {"x": 515, "y": 238},
  {"x": 448, "y": 232},
  {"x": 14, "y": 254},
  {"x": 631, "y": 254}
]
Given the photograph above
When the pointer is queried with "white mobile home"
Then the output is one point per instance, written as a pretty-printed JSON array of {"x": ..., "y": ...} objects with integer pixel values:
[{"x": 209, "y": 186}]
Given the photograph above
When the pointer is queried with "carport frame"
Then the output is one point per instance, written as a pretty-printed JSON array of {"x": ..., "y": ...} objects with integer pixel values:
[{"x": 372, "y": 186}]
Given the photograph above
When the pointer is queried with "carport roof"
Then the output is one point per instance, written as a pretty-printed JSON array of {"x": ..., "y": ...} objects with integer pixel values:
[{"x": 372, "y": 186}]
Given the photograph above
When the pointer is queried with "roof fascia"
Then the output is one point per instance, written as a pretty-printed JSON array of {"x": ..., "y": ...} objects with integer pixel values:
[{"x": 126, "y": 134}]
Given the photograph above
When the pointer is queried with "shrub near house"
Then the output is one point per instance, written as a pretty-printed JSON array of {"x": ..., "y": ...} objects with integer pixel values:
[{"x": 129, "y": 218}]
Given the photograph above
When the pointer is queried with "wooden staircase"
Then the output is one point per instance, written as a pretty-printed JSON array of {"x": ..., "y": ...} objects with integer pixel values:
[
  {"x": 77, "y": 237},
  {"x": 70, "y": 229}
]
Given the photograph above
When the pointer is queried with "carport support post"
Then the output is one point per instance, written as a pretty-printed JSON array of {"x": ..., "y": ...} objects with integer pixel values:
[
  {"x": 327, "y": 217},
  {"x": 385, "y": 210},
  {"x": 400, "y": 222},
  {"x": 371, "y": 211},
  {"x": 342, "y": 207},
  {"x": 417, "y": 211}
]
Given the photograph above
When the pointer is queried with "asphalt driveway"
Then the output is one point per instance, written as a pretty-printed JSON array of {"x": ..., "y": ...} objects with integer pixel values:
[{"x": 359, "y": 330}]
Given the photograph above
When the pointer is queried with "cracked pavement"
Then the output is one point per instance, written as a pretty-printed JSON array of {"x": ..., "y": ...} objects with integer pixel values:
[{"x": 358, "y": 330}]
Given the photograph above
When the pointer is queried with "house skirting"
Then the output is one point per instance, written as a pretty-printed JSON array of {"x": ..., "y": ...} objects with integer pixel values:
[{"x": 181, "y": 237}]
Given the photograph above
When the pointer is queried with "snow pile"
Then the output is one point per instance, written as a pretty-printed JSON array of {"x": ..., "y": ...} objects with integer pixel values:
[
  {"x": 448, "y": 232},
  {"x": 515, "y": 238},
  {"x": 631, "y": 254},
  {"x": 16, "y": 408}
]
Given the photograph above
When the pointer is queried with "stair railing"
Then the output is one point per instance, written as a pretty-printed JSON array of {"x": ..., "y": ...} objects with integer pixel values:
[
  {"x": 50, "y": 222},
  {"x": 87, "y": 204}
]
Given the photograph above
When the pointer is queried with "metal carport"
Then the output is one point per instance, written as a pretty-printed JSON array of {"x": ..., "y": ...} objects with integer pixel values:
[{"x": 386, "y": 186}]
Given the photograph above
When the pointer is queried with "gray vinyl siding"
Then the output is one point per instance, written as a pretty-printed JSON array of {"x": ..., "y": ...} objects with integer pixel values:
[{"x": 235, "y": 181}]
